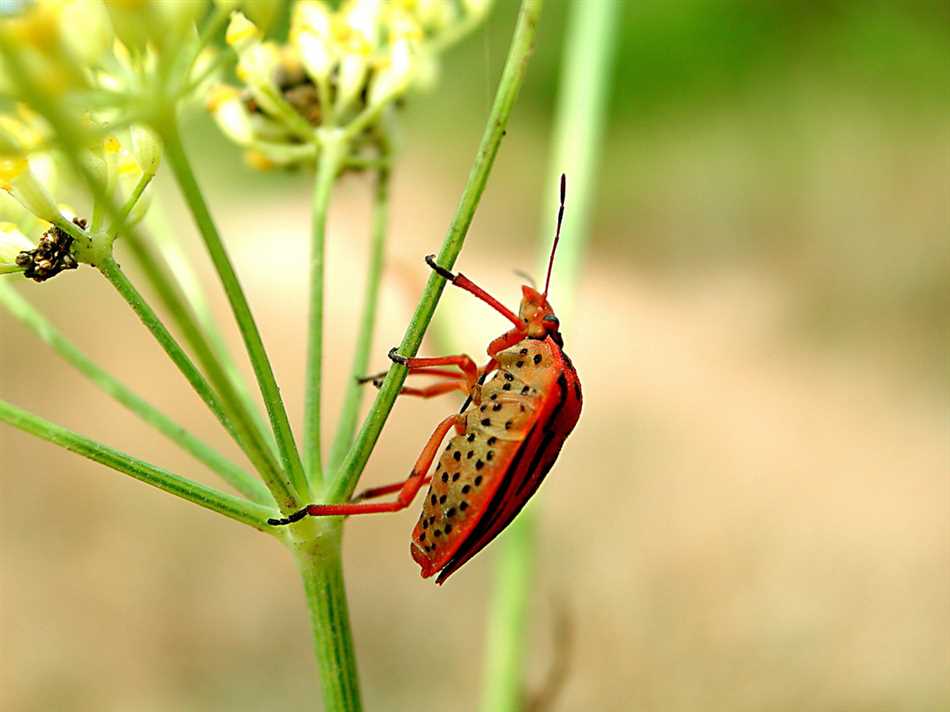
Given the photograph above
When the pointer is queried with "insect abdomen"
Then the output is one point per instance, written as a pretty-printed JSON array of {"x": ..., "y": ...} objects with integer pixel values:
[{"x": 473, "y": 465}]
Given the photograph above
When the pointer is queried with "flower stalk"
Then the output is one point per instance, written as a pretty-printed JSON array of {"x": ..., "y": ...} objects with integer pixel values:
[
  {"x": 289, "y": 486},
  {"x": 241, "y": 480},
  {"x": 346, "y": 428},
  {"x": 333, "y": 152},
  {"x": 254, "y": 515}
]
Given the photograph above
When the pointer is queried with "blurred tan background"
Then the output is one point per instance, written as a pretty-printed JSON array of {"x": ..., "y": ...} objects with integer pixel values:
[{"x": 753, "y": 511}]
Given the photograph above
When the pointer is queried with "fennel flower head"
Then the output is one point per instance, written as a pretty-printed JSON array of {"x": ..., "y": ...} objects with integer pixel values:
[
  {"x": 85, "y": 87},
  {"x": 342, "y": 68}
]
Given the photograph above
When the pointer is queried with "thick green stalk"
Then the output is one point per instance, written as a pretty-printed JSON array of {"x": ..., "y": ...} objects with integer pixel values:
[
  {"x": 512, "y": 77},
  {"x": 321, "y": 568},
  {"x": 231, "y": 473},
  {"x": 333, "y": 150},
  {"x": 577, "y": 137},
  {"x": 364, "y": 340},
  {"x": 236, "y": 508},
  {"x": 288, "y": 490}
]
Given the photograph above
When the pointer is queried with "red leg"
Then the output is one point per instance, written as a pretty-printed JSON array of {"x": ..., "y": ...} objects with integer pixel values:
[
  {"x": 460, "y": 280},
  {"x": 417, "y": 365},
  {"x": 407, "y": 491},
  {"x": 374, "y": 492}
]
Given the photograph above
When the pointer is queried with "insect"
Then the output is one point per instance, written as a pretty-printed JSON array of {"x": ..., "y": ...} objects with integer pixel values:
[{"x": 521, "y": 406}]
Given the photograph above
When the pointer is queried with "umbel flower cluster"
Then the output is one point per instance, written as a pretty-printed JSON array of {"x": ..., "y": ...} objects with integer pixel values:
[
  {"x": 116, "y": 73},
  {"x": 341, "y": 69},
  {"x": 100, "y": 67}
]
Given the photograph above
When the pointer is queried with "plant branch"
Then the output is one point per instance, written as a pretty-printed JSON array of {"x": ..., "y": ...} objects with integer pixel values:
[
  {"x": 332, "y": 154},
  {"x": 286, "y": 491},
  {"x": 512, "y": 78},
  {"x": 172, "y": 276},
  {"x": 578, "y": 132},
  {"x": 364, "y": 340},
  {"x": 259, "y": 455},
  {"x": 231, "y": 473},
  {"x": 236, "y": 508}
]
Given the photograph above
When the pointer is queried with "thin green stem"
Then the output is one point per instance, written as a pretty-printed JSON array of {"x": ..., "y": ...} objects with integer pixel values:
[
  {"x": 230, "y": 506},
  {"x": 112, "y": 272},
  {"x": 505, "y": 649},
  {"x": 321, "y": 568},
  {"x": 577, "y": 135},
  {"x": 231, "y": 473},
  {"x": 333, "y": 152},
  {"x": 512, "y": 77},
  {"x": 346, "y": 428},
  {"x": 257, "y": 453},
  {"x": 118, "y": 222},
  {"x": 73, "y": 140},
  {"x": 286, "y": 490},
  {"x": 171, "y": 274},
  {"x": 204, "y": 341}
]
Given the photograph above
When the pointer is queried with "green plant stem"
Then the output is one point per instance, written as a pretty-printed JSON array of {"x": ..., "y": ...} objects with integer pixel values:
[
  {"x": 201, "y": 335},
  {"x": 73, "y": 139},
  {"x": 112, "y": 272},
  {"x": 231, "y": 473},
  {"x": 230, "y": 506},
  {"x": 287, "y": 486},
  {"x": 512, "y": 77},
  {"x": 321, "y": 568},
  {"x": 505, "y": 651},
  {"x": 256, "y": 451},
  {"x": 364, "y": 340},
  {"x": 332, "y": 155},
  {"x": 577, "y": 138}
]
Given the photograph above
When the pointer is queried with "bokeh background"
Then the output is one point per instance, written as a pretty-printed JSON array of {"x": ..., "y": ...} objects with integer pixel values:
[{"x": 753, "y": 511}]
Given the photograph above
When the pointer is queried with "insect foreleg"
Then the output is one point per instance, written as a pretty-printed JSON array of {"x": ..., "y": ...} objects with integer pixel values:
[
  {"x": 463, "y": 282},
  {"x": 417, "y": 365}
]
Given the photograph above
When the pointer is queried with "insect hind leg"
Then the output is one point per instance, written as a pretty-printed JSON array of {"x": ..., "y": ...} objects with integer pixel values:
[{"x": 407, "y": 490}]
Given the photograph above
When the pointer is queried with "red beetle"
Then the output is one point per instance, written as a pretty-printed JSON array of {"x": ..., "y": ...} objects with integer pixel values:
[{"x": 507, "y": 435}]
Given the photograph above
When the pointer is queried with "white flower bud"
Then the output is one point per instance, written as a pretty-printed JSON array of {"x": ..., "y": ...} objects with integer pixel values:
[
  {"x": 312, "y": 36},
  {"x": 147, "y": 149},
  {"x": 352, "y": 77},
  {"x": 362, "y": 17},
  {"x": 231, "y": 115},
  {"x": 316, "y": 53},
  {"x": 12, "y": 243},
  {"x": 257, "y": 68},
  {"x": 18, "y": 180},
  {"x": 395, "y": 76}
]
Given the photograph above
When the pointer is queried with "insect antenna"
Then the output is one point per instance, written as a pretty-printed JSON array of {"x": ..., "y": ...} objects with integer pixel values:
[
  {"x": 557, "y": 234},
  {"x": 526, "y": 277}
]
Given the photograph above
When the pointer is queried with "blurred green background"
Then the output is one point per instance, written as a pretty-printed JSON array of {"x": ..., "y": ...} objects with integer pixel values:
[{"x": 753, "y": 511}]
